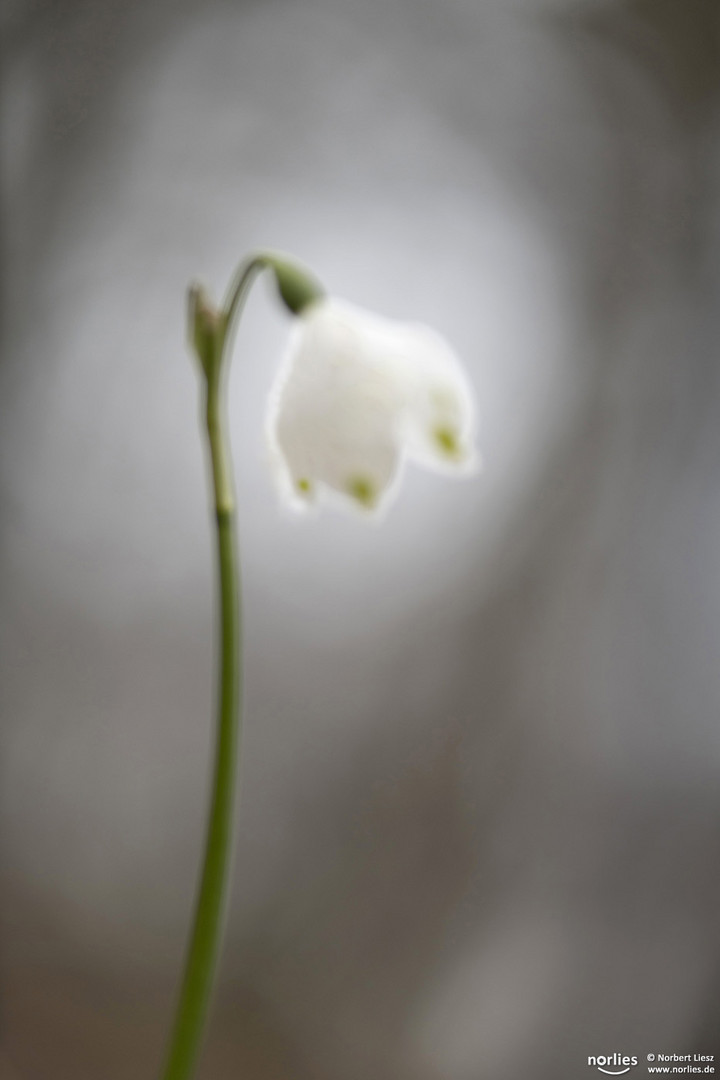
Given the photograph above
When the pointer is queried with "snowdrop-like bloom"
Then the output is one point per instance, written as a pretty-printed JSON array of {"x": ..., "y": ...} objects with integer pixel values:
[{"x": 356, "y": 395}]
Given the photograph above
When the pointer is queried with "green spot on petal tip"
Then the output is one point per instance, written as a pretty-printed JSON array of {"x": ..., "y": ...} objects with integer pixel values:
[
  {"x": 446, "y": 441},
  {"x": 363, "y": 491}
]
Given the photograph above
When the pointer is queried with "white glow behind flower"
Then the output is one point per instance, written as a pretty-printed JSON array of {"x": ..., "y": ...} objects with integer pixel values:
[{"x": 356, "y": 395}]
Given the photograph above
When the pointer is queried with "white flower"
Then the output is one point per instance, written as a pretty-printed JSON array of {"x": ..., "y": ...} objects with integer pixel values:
[{"x": 356, "y": 395}]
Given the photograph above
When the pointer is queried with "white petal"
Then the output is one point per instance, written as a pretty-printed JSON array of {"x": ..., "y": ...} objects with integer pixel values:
[
  {"x": 335, "y": 409},
  {"x": 439, "y": 421}
]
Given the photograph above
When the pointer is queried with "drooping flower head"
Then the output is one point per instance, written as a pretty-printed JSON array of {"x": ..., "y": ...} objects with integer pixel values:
[
  {"x": 356, "y": 396},
  {"x": 359, "y": 393}
]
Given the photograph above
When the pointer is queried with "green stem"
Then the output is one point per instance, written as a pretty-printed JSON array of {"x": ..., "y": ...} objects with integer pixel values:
[
  {"x": 211, "y": 335},
  {"x": 240, "y": 287},
  {"x": 205, "y": 938}
]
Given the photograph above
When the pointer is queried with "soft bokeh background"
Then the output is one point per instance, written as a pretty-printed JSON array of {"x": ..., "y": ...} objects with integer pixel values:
[{"x": 480, "y": 822}]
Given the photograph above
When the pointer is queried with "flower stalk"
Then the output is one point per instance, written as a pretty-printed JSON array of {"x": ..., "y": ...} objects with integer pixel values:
[
  {"x": 206, "y": 933},
  {"x": 211, "y": 333}
]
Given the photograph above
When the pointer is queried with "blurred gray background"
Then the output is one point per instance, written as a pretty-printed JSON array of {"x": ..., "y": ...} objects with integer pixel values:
[{"x": 480, "y": 824}]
